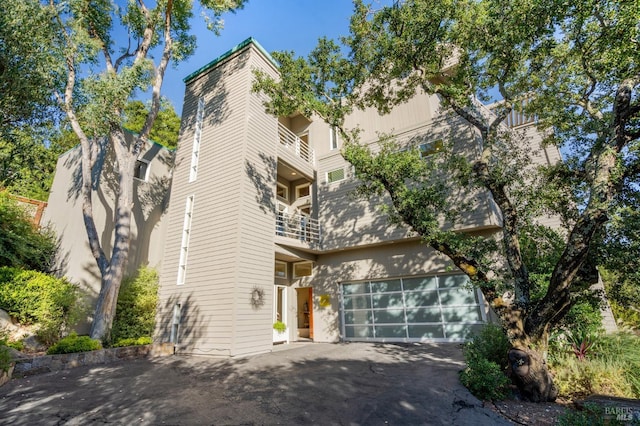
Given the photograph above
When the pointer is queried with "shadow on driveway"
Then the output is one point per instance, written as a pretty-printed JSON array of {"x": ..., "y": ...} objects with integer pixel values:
[{"x": 326, "y": 384}]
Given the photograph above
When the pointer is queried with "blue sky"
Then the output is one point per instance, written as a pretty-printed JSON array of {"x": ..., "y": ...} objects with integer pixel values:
[{"x": 276, "y": 24}]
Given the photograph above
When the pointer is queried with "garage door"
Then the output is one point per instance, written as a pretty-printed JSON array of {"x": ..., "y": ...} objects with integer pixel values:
[{"x": 435, "y": 308}]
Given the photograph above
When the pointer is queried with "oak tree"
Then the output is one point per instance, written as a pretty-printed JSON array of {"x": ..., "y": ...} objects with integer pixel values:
[{"x": 573, "y": 65}]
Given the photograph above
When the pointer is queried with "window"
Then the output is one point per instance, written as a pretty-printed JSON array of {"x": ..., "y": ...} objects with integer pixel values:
[
  {"x": 303, "y": 190},
  {"x": 184, "y": 246},
  {"x": 302, "y": 269},
  {"x": 282, "y": 191},
  {"x": 333, "y": 138},
  {"x": 430, "y": 148},
  {"x": 141, "y": 170},
  {"x": 193, "y": 171},
  {"x": 281, "y": 269},
  {"x": 335, "y": 175}
]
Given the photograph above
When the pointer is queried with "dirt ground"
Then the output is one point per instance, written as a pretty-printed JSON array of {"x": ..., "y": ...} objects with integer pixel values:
[{"x": 327, "y": 384}]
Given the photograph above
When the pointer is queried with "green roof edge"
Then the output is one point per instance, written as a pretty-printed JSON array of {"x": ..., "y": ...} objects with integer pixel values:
[{"x": 228, "y": 53}]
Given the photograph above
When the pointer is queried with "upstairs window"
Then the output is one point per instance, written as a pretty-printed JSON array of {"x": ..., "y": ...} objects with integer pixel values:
[
  {"x": 282, "y": 191},
  {"x": 303, "y": 190},
  {"x": 141, "y": 170},
  {"x": 335, "y": 175},
  {"x": 281, "y": 269},
  {"x": 193, "y": 171},
  {"x": 430, "y": 148},
  {"x": 333, "y": 138},
  {"x": 184, "y": 246},
  {"x": 302, "y": 269}
]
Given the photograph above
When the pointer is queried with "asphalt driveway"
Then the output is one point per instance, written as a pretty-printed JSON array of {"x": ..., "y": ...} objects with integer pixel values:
[{"x": 325, "y": 384}]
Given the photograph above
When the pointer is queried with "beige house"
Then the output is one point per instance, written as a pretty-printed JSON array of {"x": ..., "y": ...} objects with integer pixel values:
[
  {"x": 262, "y": 228},
  {"x": 64, "y": 214}
]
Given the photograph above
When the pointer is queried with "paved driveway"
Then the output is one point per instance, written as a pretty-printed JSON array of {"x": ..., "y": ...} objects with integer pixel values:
[{"x": 325, "y": 384}]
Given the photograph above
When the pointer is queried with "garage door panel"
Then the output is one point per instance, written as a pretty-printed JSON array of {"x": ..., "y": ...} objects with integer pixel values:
[
  {"x": 358, "y": 288},
  {"x": 384, "y": 286},
  {"x": 397, "y": 331},
  {"x": 462, "y": 331},
  {"x": 426, "y": 331},
  {"x": 359, "y": 332},
  {"x": 450, "y": 281},
  {"x": 387, "y": 300},
  {"x": 426, "y": 298},
  {"x": 420, "y": 283},
  {"x": 424, "y": 315},
  {"x": 457, "y": 296},
  {"x": 358, "y": 317},
  {"x": 461, "y": 314},
  {"x": 357, "y": 302},
  {"x": 388, "y": 316}
]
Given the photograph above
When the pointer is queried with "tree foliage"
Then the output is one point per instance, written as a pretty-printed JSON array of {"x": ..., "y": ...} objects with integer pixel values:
[
  {"x": 165, "y": 128},
  {"x": 22, "y": 245},
  {"x": 573, "y": 65}
]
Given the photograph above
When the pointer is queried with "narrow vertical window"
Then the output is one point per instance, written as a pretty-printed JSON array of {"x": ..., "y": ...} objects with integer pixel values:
[
  {"x": 333, "y": 138},
  {"x": 193, "y": 172},
  {"x": 184, "y": 246}
]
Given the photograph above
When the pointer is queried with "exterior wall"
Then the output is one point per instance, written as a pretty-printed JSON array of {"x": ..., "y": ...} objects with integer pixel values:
[
  {"x": 231, "y": 240},
  {"x": 64, "y": 215}
]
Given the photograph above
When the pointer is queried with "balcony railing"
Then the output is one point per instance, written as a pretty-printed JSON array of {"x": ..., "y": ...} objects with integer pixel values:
[
  {"x": 297, "y": 226},
  {"x": 300, "y": 148}
]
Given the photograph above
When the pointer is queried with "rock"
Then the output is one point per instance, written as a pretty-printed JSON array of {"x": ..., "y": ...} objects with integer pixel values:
[
  {"x": 31, "y": 344},
  {"x": 6, "y": 323}
]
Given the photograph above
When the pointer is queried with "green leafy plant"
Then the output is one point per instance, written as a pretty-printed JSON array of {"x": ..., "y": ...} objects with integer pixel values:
[
  {"x": 74, "y": 343},
  {"x": 486, "y": 358},
  {"x": 22, "y": 245},
  {"x": 132, "y": 342},
  {"x": 581, "y": 343},
  {"x": 137, "y": 304},
  {"x": 5, "y": 356},
  {"x": 36, "y": 298},
  {"x": 279, "y": 326}
]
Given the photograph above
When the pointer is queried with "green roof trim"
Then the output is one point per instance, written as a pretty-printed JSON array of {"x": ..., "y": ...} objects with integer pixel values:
[{"x": 225, "y": 55}]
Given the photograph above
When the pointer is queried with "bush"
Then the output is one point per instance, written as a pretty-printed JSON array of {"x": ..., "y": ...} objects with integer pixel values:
[
  {"x": 132, "y": 342},
  {"x": 74, "y": 343},
  {"x": 136, "y": 308},
  {"x": 612, "y": 368},
  {"x": 22, "y": 245},
  {"x": 485, "y": 379},
  {"x": 486, "y": 358},
  {"x": 36, "y": 298},
  {"x": 5, "y": 356}
]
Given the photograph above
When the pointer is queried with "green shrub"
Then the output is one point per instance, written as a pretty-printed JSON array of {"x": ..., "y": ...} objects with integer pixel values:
[
  {"x": 18, "y": 345},
  {"x": 486, "y": 358},
  {"x": 490, "y": 343},
  {"x": 36, "y": 298},
  {"x": 136, "y": 308},
  {"x": 22, "y": 245},
  {"x": 74, "y": 343},
  {"x": 5, "y": 356},
  {"x": 133, "y": 342},
  {"x": 591, "y": 415},
  {"x": 485, "y": 379}
]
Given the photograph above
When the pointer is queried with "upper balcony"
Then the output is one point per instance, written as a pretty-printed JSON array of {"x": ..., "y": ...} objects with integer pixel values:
[
  {"x": 295, "y": 150},
  {"x": 298, "y": 230}
]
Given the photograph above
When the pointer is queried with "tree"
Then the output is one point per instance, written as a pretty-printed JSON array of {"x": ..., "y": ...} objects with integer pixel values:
[
  {"x": 574, "y": 65},
  {"x": 165, "y": 128},
  {"x": 99, "y": 79}
]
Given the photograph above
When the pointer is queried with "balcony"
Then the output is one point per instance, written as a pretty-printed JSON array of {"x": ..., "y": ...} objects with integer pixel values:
[
  {"x": 295, "y": 145},
  {"x": 299, "y": 227}
]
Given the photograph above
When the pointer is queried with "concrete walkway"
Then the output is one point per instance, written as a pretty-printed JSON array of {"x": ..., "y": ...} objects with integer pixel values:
[{"x": 325, "y": 384}]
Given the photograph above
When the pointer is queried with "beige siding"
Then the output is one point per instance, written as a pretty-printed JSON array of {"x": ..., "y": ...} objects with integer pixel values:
[{"x": 64, "y": 215}]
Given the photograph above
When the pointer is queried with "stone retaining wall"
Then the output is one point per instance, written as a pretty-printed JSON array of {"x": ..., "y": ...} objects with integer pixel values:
[{"x": 48, "y": 363}]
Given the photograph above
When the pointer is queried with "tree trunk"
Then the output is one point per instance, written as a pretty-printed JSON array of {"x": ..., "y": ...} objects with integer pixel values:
[
  {"x": 529, "y": 372},
  {"x": 111, "y": 281}
]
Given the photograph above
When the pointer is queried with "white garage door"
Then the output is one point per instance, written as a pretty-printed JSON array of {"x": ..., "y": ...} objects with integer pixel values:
[{"x": 435, "y": 308}]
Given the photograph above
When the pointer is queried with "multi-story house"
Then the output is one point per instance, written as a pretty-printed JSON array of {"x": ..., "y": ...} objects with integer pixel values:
[{"x": 262, "y": 227}]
